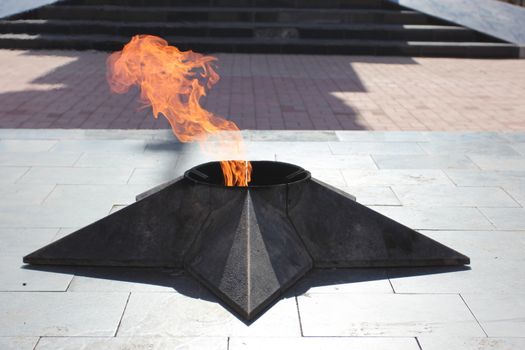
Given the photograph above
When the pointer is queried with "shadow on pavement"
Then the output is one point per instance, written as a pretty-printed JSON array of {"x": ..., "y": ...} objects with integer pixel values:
[
  {"x": 186, "y": 285},
  {"x": 68, "y": 89}
]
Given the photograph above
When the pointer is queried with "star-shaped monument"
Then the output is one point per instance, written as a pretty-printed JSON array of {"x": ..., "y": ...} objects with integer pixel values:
[{"x": 248, "y": 245}]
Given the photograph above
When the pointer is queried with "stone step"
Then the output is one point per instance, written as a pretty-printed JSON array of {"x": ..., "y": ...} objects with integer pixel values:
[
  {"x": 246, "y": 30},
  {"x": 232, "y": 14},
  {"x": 242, "y": 3},
  {"x": 275, "y": 45}
]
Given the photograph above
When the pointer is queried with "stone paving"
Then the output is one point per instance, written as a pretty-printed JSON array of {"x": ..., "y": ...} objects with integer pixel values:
[
  {"x": 466, "y": 190},
  {"x": 493, "y": 18},
  {"x": 67, "y": 89}
]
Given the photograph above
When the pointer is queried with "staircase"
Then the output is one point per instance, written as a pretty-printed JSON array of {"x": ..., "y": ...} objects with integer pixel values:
[{"x": 355, "y": 27}]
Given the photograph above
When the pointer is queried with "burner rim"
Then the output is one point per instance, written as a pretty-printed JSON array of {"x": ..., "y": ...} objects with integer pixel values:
[{"x": 302, "y": 175}]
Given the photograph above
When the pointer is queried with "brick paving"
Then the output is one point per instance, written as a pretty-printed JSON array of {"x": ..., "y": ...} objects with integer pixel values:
[{"x": 67, "y": 89}]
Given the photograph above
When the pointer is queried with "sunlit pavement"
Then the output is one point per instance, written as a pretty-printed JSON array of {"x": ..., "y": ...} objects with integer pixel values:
[{"x": 466, "y": 190}]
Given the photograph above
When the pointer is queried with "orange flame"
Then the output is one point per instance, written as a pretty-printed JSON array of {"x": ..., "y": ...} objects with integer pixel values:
[{"x": 172, "y": 82}]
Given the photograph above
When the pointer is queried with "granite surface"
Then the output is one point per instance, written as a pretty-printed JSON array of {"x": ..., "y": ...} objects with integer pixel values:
[
  {"x": 495, "y": 18},
  {"x": 11, "y": 7}
]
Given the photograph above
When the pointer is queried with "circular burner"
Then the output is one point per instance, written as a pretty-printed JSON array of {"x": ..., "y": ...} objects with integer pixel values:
[{"x": 264, "y": 173}]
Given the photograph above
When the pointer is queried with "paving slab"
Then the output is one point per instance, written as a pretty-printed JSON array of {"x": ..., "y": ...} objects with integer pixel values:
[
  {"x": 18, "y": 343},
  {"x": 133, "y": 280},
  {"x": 118, "y": 160},
  {"x": 25, "y": 194},
  {"x": 135, "y": 343},
  {"x": 64, "y": 231},
  {"x": 15, "y": 278},
  {"x": 437, "y": 218},
  {"x": 391, "y": 177},
  {"x": 333, "y": 281},
  {"x": 372, "y": 195},
  {"x": 152, "y": 176},
  {"x": 336, "y": 343},
  {"x": 453, "y": 196},
  {"x": 42, "y": 134},
  {"x": 76, "y": 176},
  {"x": 290, "y": 148},
  {"x": 386, "y": 315},
  {"x": 12, "y": 174},
  {"x": 84, "y": 134},
  {"x": 487, "y": 245},
  {"x": 455, "y": 343},
  {"x": 517, "y": 192},
  {"x": 506, "y": 218},
  {"x": 174, "y": 314},
  {"x": 500, "y": 315},
  {"x": 60, "y": 314},
  {"x": 293, "y": 135},
  {"x": 462, "y": 137},
  {"x": 16, "y": 146},
  {"x": 520, "y": 147},
  {"x": 171, "y": 146},
  {"x": 45, "y": 159},
  {"x": 100, "y": 146},
  {"x": 309, "y": 161},
  {"x": 469, "y": 147},
  {"x": 381, "y": 136},
  {"x": 332, "y": 177},
  {"x": 120, "y": 134},
  {"x": 501, "y": 163},
  {"x": 50, "y": 216},
  {"x": 375, "y": 148},
  {"x": 450, "y": 161},
  {"x": 486, "y": 178},
  {"x": 19, "y": 242},
  {"x": 513, "y": 136},
  {"x": 484, "y": 276},
  {"x": 94, "y": 195}
]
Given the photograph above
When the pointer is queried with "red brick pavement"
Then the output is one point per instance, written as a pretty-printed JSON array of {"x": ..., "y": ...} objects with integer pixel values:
[{"x": 67, "y": 89}]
